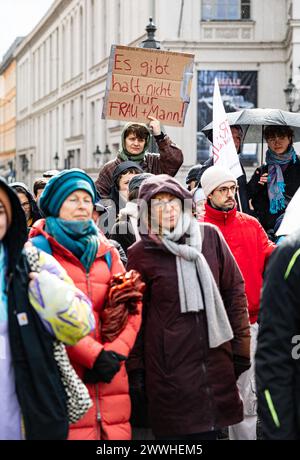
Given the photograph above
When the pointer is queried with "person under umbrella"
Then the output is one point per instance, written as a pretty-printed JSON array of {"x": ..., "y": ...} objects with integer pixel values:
[{"x": 274, "y": 183}]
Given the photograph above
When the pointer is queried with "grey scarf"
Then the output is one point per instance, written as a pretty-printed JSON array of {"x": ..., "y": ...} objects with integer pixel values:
[{"x": 197, "y": 287}]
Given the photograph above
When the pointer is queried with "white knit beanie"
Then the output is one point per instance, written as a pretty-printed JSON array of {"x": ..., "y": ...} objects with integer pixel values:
[{"x": 215, "y": 176}]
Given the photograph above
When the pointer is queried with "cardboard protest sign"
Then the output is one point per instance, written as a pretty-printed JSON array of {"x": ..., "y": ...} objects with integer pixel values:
[{"x": 144, "y": 82}]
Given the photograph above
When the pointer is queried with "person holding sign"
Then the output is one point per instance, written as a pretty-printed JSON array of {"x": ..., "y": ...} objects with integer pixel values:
[{"x": 135, "y": 141}]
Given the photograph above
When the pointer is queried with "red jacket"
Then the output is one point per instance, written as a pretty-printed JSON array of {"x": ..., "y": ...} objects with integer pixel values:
[
  {"x": 250, "y": 246},
  {"x": 109, "y": 416}
]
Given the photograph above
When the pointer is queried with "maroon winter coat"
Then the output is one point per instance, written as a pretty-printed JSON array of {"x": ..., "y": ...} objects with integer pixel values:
[{"x": 190, "y": 387}]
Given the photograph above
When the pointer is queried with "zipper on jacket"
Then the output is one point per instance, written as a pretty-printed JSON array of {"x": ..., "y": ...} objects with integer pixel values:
[
  {"x": 209, "y": 394},
  {"x": 87, "y": 275},
  {"x": 98, "y": 413}
]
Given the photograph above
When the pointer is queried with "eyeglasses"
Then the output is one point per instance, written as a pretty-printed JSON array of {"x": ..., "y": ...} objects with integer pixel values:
[
  {"x": 25, "y": 204},
  {"x": 225, "y": 190},
  {"x": 274, "y": 138},
  {"x": 162, "y": 204}
]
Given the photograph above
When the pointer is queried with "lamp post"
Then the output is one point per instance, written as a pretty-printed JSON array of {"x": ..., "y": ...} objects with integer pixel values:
[
  {"x": 12, "y": 172},
  {"x": 97, "y": 155},
  {"x": 56, "y": 160},
  {"x": 107, "y": 153},
  {"x": 151, "y": 43},
  {"x": 290, "y": 92},
  {"x": 24, "y": 164}
]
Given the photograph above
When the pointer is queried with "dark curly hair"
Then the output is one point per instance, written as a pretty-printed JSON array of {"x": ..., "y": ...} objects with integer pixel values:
[{"x": 278, "y": 130}]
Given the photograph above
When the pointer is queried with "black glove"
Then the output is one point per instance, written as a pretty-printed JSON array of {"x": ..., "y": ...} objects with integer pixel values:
[
  {"x": 107, "y": 364},
  {"x": 240, "y": 365}
]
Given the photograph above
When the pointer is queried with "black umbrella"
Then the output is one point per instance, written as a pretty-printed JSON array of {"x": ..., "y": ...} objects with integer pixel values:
[{"x": 253, "y": 122}]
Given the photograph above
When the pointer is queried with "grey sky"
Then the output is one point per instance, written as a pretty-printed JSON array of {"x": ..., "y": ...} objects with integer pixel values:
[{"x": 18, "y": 18}]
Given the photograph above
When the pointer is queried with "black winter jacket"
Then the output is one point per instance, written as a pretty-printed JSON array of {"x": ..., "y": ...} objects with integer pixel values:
[
  {"x": 123, "y": 233},
  {"x": 259, "y": 193},
  {"x": 39, "y": 388},
  {"x": 278, "y": 351}
]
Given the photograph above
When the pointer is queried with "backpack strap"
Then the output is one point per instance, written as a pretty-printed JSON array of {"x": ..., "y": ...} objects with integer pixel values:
[{"x": 41, "y": 243}]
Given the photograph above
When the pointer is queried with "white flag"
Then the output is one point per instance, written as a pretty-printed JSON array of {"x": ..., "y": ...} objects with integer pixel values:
[
  {"x": 224, "y": 151},
  {"x": 290, "y": 222}
]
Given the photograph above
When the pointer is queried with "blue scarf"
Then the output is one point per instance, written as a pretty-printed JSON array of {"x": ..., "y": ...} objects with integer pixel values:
[
  {"x": 79, "y": 237},
  {"x": 276, "y": 185},
  {"x": 3, "y": 295}
]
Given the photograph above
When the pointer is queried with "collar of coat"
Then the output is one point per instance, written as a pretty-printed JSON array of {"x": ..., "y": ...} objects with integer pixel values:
[{"x": 218, "y": 215}]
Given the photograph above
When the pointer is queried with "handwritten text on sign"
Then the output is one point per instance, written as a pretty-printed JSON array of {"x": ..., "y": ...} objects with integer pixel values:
[{"x": 143, "y": 83}]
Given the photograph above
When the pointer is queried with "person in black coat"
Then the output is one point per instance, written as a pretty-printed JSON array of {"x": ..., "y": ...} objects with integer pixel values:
[
  {"x": 125, "y": 230},
  {"x": 278, "y": 350},
  {"x": 30, "y": 383},
  {"x": 274, "y": 183},
  {"x": 237, "y": 134},
  {"x": 28, "y": 203}
]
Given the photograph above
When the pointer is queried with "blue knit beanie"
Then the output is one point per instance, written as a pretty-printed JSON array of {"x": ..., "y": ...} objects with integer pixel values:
[{"x": 61, "y": 186}]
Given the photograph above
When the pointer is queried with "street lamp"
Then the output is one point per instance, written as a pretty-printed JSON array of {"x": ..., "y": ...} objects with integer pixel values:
[
  {"x": 56, "y": 159},
  {"x": 24, "y": 164},
  {"x": 107, "y": 153},
  {"x": 97, "y": 155},
  {"x": 12, "y": 172},
  {"x": 150, "y": 41},
  {"x": 290, "y": 95}
]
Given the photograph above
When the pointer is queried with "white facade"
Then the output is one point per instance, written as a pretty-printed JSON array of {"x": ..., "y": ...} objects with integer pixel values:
[{"x": 62, "y": 65}]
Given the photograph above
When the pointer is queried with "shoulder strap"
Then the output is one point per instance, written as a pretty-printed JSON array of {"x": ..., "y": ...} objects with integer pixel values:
[{"x": 41, "y": 243}]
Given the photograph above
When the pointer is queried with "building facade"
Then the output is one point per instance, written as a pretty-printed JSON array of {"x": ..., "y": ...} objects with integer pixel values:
[
  {"x": 62, "y": 67},
  {"x": 8, "y": 113}
]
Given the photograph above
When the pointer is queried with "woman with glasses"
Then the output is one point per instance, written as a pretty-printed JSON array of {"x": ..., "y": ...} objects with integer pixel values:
[
  {"x": 274, "y": 183},
  {"x": 195, "y": 322},
  {"x": 69, "y": 232},
  {"x": 28, "y": 203}
]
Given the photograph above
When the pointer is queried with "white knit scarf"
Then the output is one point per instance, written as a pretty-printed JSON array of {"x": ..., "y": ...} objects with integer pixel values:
[{"x": 197, "y": 287}]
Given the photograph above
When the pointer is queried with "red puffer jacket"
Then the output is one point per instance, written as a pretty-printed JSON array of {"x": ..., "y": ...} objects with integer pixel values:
[
  {"x": 109, "y": 416},
  {"x": 250, "y": 246}
]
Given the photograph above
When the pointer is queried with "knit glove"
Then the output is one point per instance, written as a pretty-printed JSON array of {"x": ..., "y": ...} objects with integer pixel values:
[{"x": 107, "y": 364}]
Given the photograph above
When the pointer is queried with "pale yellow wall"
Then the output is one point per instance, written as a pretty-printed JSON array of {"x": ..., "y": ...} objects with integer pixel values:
[{"x": 8, "y": 114}]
